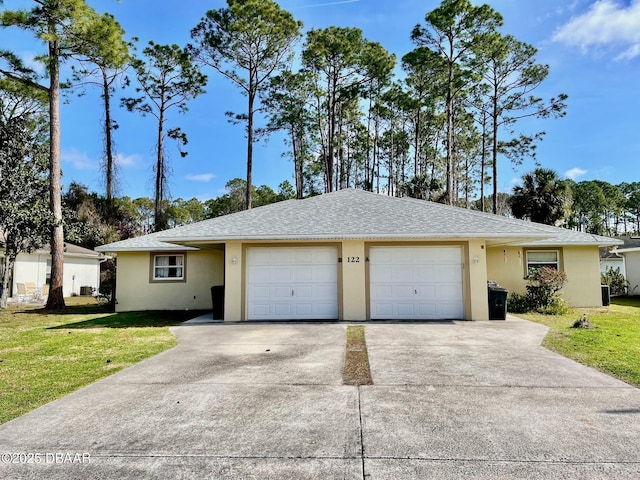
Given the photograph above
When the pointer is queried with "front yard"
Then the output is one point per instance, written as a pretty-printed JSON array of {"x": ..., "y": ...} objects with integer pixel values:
[
  {"x": 612, "y": 344},
  {"x": 46, "y": 355}
]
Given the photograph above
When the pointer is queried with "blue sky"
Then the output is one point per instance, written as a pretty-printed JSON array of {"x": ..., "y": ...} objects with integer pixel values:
[{"x": 592, "y": 47}]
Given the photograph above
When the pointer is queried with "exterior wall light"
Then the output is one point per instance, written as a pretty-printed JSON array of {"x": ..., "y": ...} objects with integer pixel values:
[
  {"x": 476, "y": 259},
  {"x": 234, "y": 260}
]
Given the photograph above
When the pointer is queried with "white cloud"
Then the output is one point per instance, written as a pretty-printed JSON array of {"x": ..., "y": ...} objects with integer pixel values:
[
  {"x": 79, "y": 160},
  {"x": 608, "y": 23},
  {"x": 574, "y": 173},
  {"x": 202, "y": 177},
  {"x": 329, "y": 3},
  {"x": 128, "y": 160}
]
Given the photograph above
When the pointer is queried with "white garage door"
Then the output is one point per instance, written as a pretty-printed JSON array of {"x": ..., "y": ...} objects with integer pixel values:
[
  {"x": 292, "y": 283},
  {"x": 417, "y": 283}
]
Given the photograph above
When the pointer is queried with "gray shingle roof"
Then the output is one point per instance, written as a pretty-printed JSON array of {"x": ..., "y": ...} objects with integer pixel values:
[{"x": 357, "y": 214}]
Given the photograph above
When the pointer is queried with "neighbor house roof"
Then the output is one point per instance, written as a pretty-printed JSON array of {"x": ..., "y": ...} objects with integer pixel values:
[
  {"x": 356, "y": 214},
  {"x": 70, "y": 249},
  {"x": 631, "y": 244}
]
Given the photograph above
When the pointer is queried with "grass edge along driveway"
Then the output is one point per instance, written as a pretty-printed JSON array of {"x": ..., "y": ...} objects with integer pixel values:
[
  {"x": 47, "y": 355},
  {"x": 611, "y": 344}
]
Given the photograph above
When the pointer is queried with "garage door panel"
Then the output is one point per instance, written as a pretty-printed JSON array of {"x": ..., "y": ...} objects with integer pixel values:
[
  {"x": 302, "y": 291},
  {"x": 402, "y": 273},
  {"x": 428, "y": 292},
  {"x": 382, "y": 310},
  {"x": 425, "y": 275},
  {"x": 450, "y": 293},
  {"x": 261, "y": 274},
  {"x": 403, "y": 291},
  {"x": 449, "y": 311},
  {"x": 405, "y": 309},
  {"x": 303, "y": 309},
  {"x": 301, "y": 274},
  {"x": 261, "y": 292},
  {"x": 382, "y": 291},
  {"x": 280, "y": 292},
  {"x": 281, "y": 275},
  {"x": 326, "y": 256},
  {"x": 326, "y": 291},
  {"x": 424, "y": 256},
  {"x": 261, "y": 309},
  {"x": 449, "y": 255},
  {"x": 380, "y": 271},
  {"x": 448, "y": 273},
  {"x": 427, "y": 310},
  {"x": 417, "y": 282},
  {"x": 281, "y": 309},
  {"x": 292, "y": 283},
  {"x": 324, "y": 310},
  {"x": 324, "y": 274}
]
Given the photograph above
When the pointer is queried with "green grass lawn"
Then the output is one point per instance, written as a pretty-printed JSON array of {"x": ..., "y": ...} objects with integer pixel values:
[
  {"x": 612, "y": 344},
  {"x": 46, "y": 355}
]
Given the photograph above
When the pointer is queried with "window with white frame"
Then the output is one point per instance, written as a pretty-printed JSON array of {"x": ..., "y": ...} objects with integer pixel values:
[
  {"x": 542, "y": 258},
  {"x": 168, "y": 267}
]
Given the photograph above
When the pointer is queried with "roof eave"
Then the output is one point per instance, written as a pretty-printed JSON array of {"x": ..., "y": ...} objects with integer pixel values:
[
  {"x": 504, "y": 238},
  {"x": 155, "y": 248}
]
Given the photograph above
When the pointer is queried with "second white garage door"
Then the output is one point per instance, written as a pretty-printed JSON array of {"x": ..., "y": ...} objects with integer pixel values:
[
  {"x": 416, "y": 283},
  {"x": 292, "y": 283}
]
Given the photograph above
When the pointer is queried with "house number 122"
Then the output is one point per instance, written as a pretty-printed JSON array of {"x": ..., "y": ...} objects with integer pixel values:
[{"x": 353, "y": 259}]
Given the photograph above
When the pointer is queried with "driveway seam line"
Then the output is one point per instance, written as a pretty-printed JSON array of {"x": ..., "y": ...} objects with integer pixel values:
[
  {"x": 499, "y": 460},
  {"x": 362, "y": 455}
]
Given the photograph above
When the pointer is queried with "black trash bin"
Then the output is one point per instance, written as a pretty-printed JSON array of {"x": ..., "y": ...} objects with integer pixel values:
[
  {"x": 606, "y": 295},
  {"x": 497, "y": 302},
  {"x": 217, "y": 299}
]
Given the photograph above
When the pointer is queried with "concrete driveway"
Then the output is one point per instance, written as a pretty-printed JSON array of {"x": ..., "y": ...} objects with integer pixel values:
[{"x": 266, "y": 401}]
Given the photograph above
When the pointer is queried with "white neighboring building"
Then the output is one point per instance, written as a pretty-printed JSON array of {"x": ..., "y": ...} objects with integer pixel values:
[
  {"x": 613, "y": 260},
  {"x": 631, "y": 253},
  {"x": 81, "y": 269}
]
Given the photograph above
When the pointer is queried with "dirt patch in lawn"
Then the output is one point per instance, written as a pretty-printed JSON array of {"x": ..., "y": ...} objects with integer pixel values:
[{"x": 356, "y": 360}]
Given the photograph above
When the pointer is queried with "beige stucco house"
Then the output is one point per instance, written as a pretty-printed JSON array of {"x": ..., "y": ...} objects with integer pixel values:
[{"x": 350, "y": 255}]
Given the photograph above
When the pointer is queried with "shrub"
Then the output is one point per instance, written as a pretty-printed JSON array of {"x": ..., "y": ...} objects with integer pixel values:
[
  {"x": 542, "y": 293},
  {"x": 543, "y": 288},
  {"x": 556, "y": 306},
  {"x": 615, "y": 280},
  {"x": 517, "y": 303}
]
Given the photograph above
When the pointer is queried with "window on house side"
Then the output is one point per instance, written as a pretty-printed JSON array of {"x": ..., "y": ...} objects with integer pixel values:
[
  {"x": 542, "y": 258},
  {"x": 168, "y": 267}
]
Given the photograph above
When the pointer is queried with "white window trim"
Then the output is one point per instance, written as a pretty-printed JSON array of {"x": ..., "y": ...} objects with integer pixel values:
[
  {"x": 168, "y": 279},
  {"x": 530, "y": 264}
]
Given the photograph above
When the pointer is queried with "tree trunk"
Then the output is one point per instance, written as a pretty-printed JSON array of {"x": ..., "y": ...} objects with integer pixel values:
[
  {"x": 108, "y": 147},
  {"x": 483, "y": 160},
  {"x": 450, "y": 133},
  {"x": 416, "y": 145},
  {"x": 252, "y": 94},
  {"x": 159, "y": 221},
  {"x": 8, "y": 263},
  {"x": 494, "y": 154},
  {"x": 297, "y": 162},
  {"x": 368, "y": 181},
  {"x": 55, "y": 300}
]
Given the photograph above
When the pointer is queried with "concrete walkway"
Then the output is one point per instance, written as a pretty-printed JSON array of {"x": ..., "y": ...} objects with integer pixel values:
[{"x": 266, "y": 401}]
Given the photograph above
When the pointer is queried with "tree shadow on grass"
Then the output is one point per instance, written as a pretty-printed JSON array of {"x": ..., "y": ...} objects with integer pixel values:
[{"x": 120, "y": 320}]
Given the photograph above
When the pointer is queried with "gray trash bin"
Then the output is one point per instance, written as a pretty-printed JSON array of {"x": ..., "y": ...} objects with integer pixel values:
[
  {"x": 497, "y": 302},
  {"x": 217, "y": 300}
]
